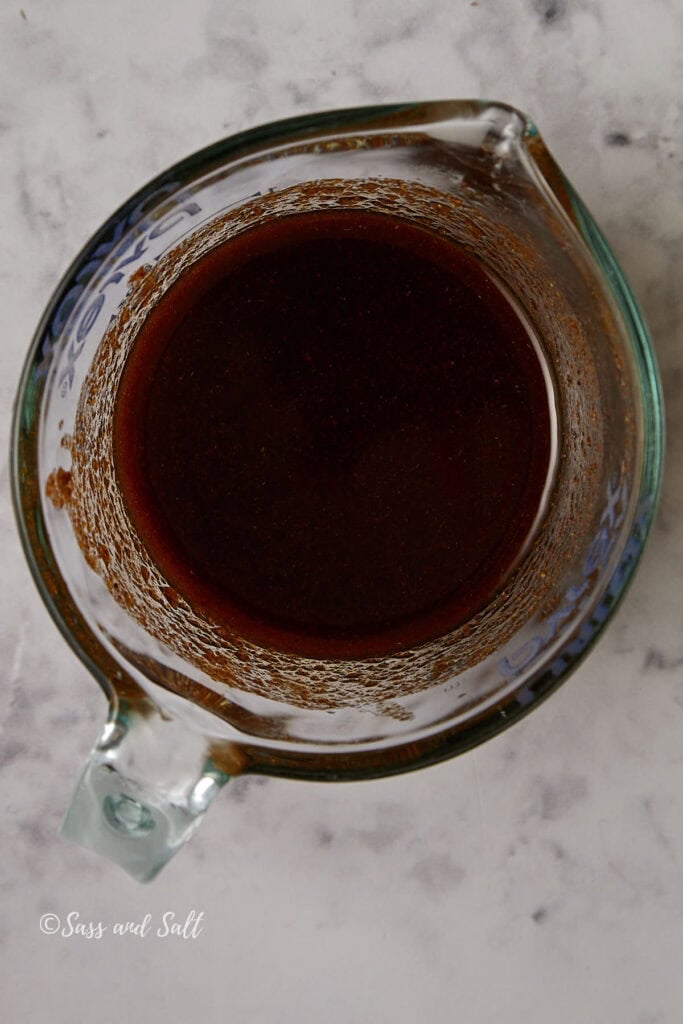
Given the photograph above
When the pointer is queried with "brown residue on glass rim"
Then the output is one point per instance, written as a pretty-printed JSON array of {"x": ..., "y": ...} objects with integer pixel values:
[{"x": 59, "y": 487}]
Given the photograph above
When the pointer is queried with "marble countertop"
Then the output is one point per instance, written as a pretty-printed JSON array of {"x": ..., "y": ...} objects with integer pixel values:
[{"x": 538, "y": 878}]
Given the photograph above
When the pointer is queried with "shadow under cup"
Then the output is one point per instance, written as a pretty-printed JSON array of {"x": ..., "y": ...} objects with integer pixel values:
[{"x": 472, "y": 172}]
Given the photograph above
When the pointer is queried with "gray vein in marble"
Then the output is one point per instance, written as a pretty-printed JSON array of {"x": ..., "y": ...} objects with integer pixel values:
[
  {"x": 389, "y": 826},
  {"x": 241, "y": 788},
  {"x": 618, "y": 138},
  {"x": 437, "y": 874},
  {"x": 233, "y": 49},
  {"x": 44, "y": 213},
  {"x": 551, "y": 800},
  {"x": 653, "y": 819},
  {"x": 550, "y": 12},
  {"x": 658, "y": 660},
  {"x": 397, "y": 30},
  {"x": 323, "y": 837}
]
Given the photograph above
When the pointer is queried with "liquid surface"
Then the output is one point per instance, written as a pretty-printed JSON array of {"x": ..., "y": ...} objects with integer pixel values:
[{"x": 333, "y": 435}]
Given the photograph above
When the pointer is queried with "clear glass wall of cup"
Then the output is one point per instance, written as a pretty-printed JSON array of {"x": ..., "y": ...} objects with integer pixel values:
[{"x": 188, "y": 706}]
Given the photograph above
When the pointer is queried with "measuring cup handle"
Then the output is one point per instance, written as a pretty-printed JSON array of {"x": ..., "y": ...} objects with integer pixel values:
[{"x": 143, "y": 791}]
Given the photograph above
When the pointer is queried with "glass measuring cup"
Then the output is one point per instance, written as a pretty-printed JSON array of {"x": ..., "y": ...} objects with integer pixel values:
[{"x": 191, "y": 705}]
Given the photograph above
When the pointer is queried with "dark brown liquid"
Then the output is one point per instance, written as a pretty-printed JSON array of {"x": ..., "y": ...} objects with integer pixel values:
[{"x": 333, "y": 435}]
